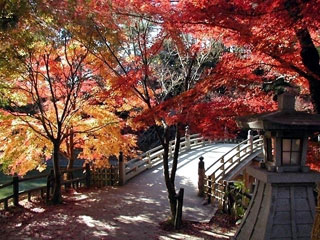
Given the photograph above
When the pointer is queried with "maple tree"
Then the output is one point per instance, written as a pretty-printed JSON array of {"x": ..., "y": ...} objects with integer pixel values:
[
  {"x": 278, "y": 37},
  {"x": 274, "y": 39},
  {"x": 52, "y": 100}
]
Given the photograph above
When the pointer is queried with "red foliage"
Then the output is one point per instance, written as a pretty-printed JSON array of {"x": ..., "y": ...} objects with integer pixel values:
[{"x": 313, "y": 156}]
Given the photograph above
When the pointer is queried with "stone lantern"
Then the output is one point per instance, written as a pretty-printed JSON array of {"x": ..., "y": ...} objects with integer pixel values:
[{"x": 283, "y": 203}]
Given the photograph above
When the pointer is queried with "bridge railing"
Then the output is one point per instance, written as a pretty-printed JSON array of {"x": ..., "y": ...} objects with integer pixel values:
[
  {"x": 154, "y": 156},
  {"x": 214, "y": 186}
]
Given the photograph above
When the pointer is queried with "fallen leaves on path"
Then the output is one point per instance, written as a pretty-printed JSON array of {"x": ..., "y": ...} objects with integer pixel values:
[
  {"x": 38, "y": 220},
  {"x": 221, "y": 226}
]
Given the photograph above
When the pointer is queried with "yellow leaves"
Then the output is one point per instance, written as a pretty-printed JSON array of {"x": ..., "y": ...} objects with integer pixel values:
[
  {"x": 22, "y": 149},
  {"x": 97, "y": 132},
  {"x": 58, "y": 96},
  {"x": 41, "y": 167},
  {"x": 98, "y": 149}
]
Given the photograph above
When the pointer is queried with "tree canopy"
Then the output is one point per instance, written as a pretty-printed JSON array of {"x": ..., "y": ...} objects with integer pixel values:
[{"x": 74, "y": 73}]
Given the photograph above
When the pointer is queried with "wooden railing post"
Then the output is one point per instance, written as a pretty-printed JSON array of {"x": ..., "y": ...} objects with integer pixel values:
[
  {"x": 213, "y": 186},
  {"x": 187, "y": 139},
  {"x": 112, "y": 180},
  {"x": 250, "y": 140},
  {"x": 238, "y": 150},
  {"x": 201, "y": 176},
  {"x": 15, "y": 184},
  {"x": 227, "y": 202},
  {"x": 222, "y": 168},
  {"x": 49, "y": 181},
  {"x": 209, "y": 190},
  {"x": 178, "y": 217},
  {"x": 122, "y": 176},
  {"x": 149, "y": 160},
  {"x": 88, "y": 175}
]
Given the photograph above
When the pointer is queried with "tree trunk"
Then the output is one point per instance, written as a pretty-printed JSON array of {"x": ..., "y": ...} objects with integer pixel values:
[
  {"x": 309, "y": 53},
  {"x": 56, "y": 173},
  {"x": 168, "y": 181},
  {"x": 170, "y": 187},
  {"x": 310, "y": 58},
  {"x": 315, "y": 93},
  {"x": 175, "y": 155}
]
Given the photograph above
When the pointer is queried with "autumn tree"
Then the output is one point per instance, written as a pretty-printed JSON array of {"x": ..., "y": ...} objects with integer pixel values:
[
  {"x": 52, "y": 98},
  {"x": 49, "y": 95},
  {"x": 279, "y": 37}
]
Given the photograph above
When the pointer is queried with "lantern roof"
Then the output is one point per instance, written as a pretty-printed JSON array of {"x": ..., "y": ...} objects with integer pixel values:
[{"x": 286, "y": 118}]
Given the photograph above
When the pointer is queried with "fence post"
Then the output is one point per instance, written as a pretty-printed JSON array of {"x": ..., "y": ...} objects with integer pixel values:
[
  {"x": 201, "y": 176},
  {"x": 122, "y": 176},
  {"x": 111, "y": 175},
  {"x": 49, "y": 180},
  {"x": 15, "y": 184},
  {"x": 187, "y": 137},
  {"x": 209, "y": 191},
  {"x": 226, "y": 197},
  {"x": 213, "y": 192},
  {"x": 88, "y": 175},
  {"x": 222, "y": 168},
  {"x": 149, "y": 159},
  {"x": 178, "y": 217},
  {"x": 250, "y": 140}
]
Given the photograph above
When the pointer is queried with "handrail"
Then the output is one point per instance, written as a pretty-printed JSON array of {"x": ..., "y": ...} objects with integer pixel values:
[
  {"x": 257, "y": 143},
  {"x": 159, "y": 148},
  {"x": 154, "y": 156},
  {"x": 232, "y": 149},
  {"x": 6, "y": 184},
  {"x": 214, "y": 186},
  {"x": 33, "y": 177}
]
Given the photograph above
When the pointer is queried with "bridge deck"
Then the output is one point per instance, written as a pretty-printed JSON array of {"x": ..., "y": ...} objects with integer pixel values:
[{"x": 187, "y": 178}]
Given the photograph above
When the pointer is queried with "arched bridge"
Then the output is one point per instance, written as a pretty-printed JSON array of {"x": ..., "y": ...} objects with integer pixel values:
[{"x": 224, "y": 159}]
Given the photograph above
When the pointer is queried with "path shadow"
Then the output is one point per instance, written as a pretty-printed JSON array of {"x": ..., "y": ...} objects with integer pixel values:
[{"x": 132, "y": 211}]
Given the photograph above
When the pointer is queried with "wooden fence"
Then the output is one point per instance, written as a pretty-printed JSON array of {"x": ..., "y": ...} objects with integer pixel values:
[
  {"x": 105, "y": 176},
  {"x": 47, "y": 190}
]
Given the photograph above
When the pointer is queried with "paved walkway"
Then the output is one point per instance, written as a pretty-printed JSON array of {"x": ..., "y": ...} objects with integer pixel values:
[{"x": 133, "y": 211}]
